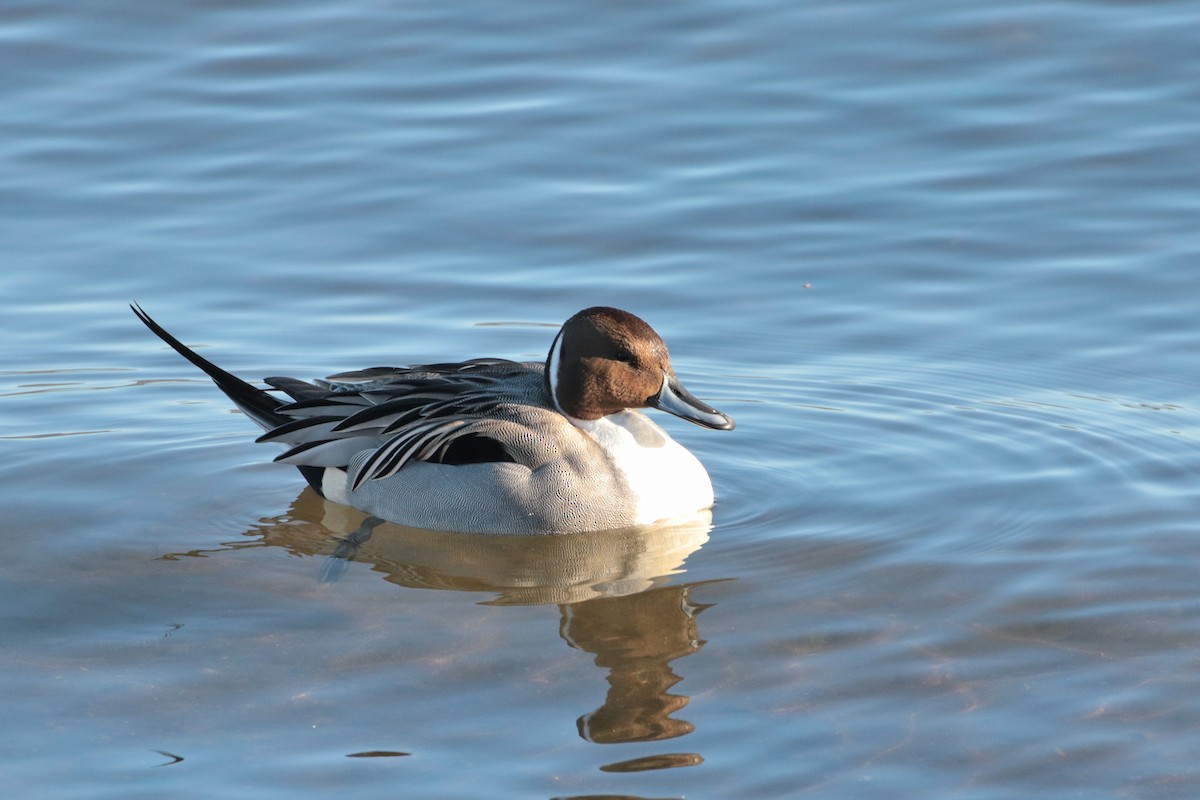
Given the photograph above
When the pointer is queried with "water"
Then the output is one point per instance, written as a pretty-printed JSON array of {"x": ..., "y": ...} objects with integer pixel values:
[{"x": 940, "y": 265}]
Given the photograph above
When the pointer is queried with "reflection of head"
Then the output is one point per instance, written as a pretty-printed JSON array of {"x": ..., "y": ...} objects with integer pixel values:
[{"x": 636, "y": 638}]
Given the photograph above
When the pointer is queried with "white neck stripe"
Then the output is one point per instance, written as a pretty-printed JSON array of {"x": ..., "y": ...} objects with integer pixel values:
[{"x": 552, "y": 364}]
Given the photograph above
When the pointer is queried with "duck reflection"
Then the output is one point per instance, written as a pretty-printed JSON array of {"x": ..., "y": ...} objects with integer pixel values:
[
  {"x": 515, "y": 570},
  {"x": 636, "y": 638},
  {"x": 613, "y": 589}
]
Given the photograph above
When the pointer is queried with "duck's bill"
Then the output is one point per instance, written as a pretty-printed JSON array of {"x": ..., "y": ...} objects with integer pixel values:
[{"x": 674, "y": 399}]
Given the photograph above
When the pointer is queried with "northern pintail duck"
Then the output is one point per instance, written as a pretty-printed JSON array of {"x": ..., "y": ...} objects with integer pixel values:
[{"x": 490, "y": 445}]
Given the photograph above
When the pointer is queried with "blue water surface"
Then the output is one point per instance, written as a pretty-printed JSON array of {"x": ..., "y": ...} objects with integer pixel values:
[{"x": 939, "y": 260}]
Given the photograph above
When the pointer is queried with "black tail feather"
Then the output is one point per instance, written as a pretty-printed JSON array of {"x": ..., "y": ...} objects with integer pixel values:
[{"x": 256, "y": 403}]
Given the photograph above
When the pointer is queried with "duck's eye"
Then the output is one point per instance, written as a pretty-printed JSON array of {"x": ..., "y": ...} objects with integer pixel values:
[{"x": 626, "y": 357}]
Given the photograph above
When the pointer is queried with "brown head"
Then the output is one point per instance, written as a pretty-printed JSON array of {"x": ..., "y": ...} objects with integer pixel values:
[{"x": 605, "y": 360}]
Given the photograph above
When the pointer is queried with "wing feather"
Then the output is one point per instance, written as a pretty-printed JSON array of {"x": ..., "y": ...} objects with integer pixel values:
[
  {"x": 434, "y": 412},
  {"x": 388, "y": 459}
]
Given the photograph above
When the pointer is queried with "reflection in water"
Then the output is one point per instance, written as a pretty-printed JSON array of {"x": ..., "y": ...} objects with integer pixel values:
[
  {"x": 612, "y": 589},
  {"x": 517, "y": 570},
  {"x": 664, "y": 761},
  {"x": 636, "y": 638}
]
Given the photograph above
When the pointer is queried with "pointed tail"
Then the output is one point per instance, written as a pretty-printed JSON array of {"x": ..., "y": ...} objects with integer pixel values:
[{"x": 257, "y": 404}]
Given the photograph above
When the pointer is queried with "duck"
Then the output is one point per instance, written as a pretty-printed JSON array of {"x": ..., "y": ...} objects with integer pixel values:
[{"x": 489, "y": 445}]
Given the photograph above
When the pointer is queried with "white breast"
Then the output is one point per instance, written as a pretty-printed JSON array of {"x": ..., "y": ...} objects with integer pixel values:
[{"x": 666, "y": 479}]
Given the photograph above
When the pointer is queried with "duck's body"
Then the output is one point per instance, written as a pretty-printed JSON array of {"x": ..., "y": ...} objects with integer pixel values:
[{"x": 495, "y": 446}]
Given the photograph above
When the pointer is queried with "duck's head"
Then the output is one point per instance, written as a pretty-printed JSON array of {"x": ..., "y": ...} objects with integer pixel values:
[{"x": 605, "y": 360}]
